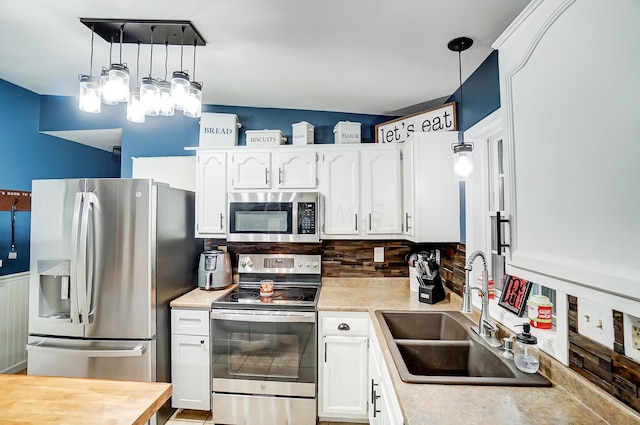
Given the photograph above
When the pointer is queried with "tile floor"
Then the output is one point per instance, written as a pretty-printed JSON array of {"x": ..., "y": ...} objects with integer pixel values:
[{"x": 198, "y": 417}]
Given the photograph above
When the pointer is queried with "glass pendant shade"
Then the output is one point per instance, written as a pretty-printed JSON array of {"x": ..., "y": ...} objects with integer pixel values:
[
  {"x": 179, "y": 89},
  {"x": 104, "y": 81},
  {"x": 463, "y": 161},
  {"x": 118, "y": 85},
  {"x": 193, "y": 105},
  {"x": 166, "y": 104},
  {"x": 150, "y": 96},
  {"x": 89, "y": 96},
  {"x": 135, "y": 109}
]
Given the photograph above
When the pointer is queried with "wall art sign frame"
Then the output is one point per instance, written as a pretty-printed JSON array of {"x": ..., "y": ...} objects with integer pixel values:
[
  {"x": 515, "y": 293},
  {"x": 442, "y": 118}
]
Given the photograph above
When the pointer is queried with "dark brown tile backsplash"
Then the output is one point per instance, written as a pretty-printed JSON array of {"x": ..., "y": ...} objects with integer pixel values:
[{"x": 609, "y": 369}]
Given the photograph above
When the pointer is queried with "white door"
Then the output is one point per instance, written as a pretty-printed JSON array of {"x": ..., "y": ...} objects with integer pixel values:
[
  {"x": 344, "y": 376},
  {"x": 382, "y": 196},
  {"x": 296, "y": 169},
  {"x": 211, "y": 193},
  {"x": 250, "y": 170},
  {"x": 341, "y": 190},
  {"x": 189, "y": 363}
]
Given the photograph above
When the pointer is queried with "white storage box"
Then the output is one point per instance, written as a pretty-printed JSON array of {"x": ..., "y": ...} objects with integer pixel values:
[
  {"x": 256, "y": 138},
  {"x": 218, "y": 130},
  {"x": 302, "y": 133},
  {"x": 347, "y": 132}
]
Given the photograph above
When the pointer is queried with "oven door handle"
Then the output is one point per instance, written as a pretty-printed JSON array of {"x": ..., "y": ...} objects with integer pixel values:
[{"x": 260, "y": 316}]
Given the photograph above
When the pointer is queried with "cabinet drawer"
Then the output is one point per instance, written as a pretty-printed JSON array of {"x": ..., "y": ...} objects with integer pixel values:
[
  {"x": 345, "y": 325},
  {"x": 190, "y": 322}
]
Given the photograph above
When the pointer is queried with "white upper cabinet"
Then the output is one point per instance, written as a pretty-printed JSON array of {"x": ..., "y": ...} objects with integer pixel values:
[
  {"x": 211, "y": 193},
  {"x": 570, "y": 96},
  {"x": 431, "y": 195},
  {"x": 382, "y": 183},
  {"x": 297, "y": 169},
  {"x": 250, "y": 170},
  {"x": 341, "y": 191},
  {"x": 281, "y": 169}
]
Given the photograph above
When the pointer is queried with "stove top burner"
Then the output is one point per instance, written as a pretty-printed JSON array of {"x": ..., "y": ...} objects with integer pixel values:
[{"x": 288, "y": 297}]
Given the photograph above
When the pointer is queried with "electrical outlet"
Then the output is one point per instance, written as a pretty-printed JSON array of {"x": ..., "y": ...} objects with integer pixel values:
[
  {"x": 595, "y": 321},
  {"x": 13, "y": 255},
  {"x": 378, "y": 254},
  {"x": 0, "y": 263},
  {"x": 632, "y": 337}
]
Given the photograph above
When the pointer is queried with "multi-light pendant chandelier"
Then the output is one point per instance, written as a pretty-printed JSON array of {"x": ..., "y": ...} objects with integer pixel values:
[{"x": 150, "y": 96}]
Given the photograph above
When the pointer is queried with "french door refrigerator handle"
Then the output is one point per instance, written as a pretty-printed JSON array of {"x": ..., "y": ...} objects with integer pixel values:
[
  {"x": 75, "y": 227},
  {"x": 94, "y": 207},
  {"x": 81, "y": 261},
  {"x": 137, "y": 351}
]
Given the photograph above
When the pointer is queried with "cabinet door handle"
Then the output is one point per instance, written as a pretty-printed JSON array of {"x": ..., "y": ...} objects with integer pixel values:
[
  {"x": 373, "y": 391},
  {"x": 280, "y": 175},
  {"x": 369, "y": 221},
  {"x": 356, "y": 222},
  {"x": 406, "y": 219},
  {"x": 325, "y": 352},
  {"x": 202, "y": 341},
  {"x": 266, "y": 176},
  {"x": 221, "y": 222},
  {"x": 344, "y": 327}
]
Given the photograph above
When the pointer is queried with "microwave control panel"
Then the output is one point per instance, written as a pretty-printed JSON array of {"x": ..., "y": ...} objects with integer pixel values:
[{"x": 306, "y": 218}]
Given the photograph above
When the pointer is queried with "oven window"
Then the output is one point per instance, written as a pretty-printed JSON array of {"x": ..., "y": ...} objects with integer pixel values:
[
  {"x": 261, "y": 217},
  {"x": 264, "y": 351}
]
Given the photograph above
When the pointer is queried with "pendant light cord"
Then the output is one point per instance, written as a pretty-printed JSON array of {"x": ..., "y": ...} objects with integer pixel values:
[
  {"x": 166, "y": 58},
  {"x": 138, "y": 64},
  {"x": 461, "y": 104},
  {"x": 91, "y": 60},
  {"x": 151, "y": 56},
  {"x": 195, "y": 40},
  {"x": 181, "y": 48},
  {"x": 121, "y": 34}
]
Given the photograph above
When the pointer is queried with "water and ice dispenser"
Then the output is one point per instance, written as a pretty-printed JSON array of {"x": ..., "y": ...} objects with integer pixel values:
[{"x": 54, "y": 277}]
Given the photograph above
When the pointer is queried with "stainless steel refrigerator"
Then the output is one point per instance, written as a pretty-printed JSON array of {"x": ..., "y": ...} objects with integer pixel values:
[{"x": 107, "y": 257}]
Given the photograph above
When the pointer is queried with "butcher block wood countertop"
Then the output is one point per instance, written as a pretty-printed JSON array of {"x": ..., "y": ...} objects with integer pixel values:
[{"x": 26, "y": 399}]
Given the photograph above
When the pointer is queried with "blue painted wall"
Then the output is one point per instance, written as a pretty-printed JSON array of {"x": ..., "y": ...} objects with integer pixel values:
[
  {"x": 168, "y": 136},
  {"x": 26, "y": 154},
  {"x": 480, "y": 97}
]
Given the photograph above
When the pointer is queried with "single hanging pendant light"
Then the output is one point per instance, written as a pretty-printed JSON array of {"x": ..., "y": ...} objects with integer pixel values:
[
  {"x": 104, "y": 82},
  {"x": 135, "y": 109},
  {"x": 89, "y": 96},
  {"x": 193, "y": 105},
  {"x": 462, "y": 152},
  {"x": 118, "y": 85},
  {"x": 150, "y": 90},
  {"x": 166, "y": 104},
  {"x": 180, "y": 82}
]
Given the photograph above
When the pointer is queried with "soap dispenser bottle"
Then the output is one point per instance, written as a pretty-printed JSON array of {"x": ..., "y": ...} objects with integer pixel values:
[{"x": 526, "y": 354}]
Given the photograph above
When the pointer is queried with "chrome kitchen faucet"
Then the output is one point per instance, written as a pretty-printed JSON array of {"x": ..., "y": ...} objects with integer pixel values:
[{"x": 485, "y": 326}]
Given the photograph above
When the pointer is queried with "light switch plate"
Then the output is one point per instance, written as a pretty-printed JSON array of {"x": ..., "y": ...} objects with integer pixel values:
[
  {"x": 0, "y": 263},
  {"x": 595, "y": 321},
  {"x": 378, "y": 254},
  {"x": 632, "y": 337}
]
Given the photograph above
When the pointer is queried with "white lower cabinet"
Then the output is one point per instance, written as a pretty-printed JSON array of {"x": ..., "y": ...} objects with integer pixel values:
[
  {"x": 384, "y": 408},
  {"x": 190, "y": 366},
  {"x": 354, "y": 382},
  {"x": 342, "y": 366}
]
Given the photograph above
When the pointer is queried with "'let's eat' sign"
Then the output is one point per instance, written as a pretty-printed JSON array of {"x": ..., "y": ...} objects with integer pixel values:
[{"x": 442, "y": 118}]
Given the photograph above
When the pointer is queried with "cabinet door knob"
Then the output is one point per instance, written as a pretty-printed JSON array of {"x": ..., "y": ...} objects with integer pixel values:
[
  {"x": 202, "y": 341},
  {"x": 343, "y": 327}
]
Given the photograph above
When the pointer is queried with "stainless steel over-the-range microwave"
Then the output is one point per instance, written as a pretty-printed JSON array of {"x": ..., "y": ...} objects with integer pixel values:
[{"x": 273, "y": 217}]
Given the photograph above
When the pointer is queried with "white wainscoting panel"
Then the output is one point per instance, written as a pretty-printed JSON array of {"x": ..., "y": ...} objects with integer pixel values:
[{"x": 14, "y": 314}]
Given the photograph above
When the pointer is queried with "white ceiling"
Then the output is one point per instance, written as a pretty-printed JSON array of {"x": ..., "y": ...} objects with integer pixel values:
[{"x": 363, "y": 56}]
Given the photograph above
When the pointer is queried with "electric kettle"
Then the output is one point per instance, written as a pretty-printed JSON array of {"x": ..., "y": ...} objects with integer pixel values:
[{"x": 214, "y": 271}]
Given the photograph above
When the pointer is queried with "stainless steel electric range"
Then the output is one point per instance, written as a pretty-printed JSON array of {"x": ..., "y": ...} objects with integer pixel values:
[{"x": 264, "y": 343}]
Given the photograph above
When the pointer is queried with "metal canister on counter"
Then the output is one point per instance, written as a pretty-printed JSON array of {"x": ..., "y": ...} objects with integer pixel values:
[{"x": 540, "y": 311}]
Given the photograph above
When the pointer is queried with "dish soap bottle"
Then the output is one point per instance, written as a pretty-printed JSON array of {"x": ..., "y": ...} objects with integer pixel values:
[{"x": 526, "y": 354}]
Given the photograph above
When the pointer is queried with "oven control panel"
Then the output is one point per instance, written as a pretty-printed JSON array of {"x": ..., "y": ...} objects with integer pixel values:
[{"x": 279, "y": 263}]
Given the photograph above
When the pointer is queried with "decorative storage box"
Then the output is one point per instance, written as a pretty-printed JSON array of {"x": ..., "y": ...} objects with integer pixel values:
[
  {"x": 302, "y": 133},
  {"x": 347, "y": 132},
  {"x": 257, "y": 138},
  {"x": 218, "y": 130}
]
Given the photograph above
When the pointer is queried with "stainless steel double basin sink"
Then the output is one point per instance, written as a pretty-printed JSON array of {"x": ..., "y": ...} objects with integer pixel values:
[{"x": 439, "y": 347}]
